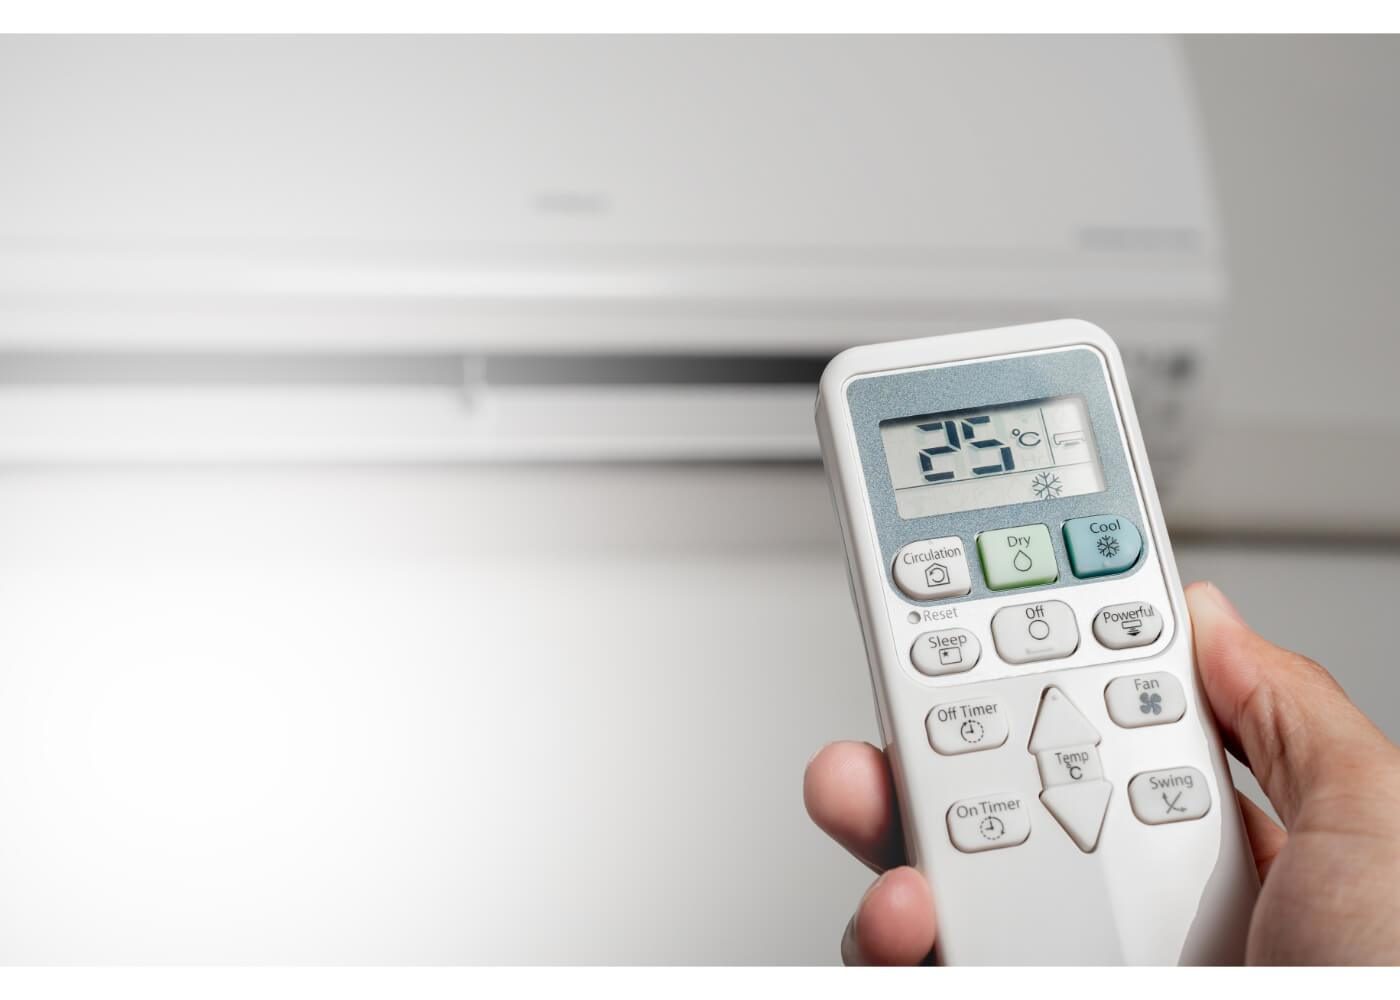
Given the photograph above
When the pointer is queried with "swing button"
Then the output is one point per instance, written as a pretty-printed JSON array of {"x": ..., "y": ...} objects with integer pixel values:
[{"x": 1175, "y": 795}]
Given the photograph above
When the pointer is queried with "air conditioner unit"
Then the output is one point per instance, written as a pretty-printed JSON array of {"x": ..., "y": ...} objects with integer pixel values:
[{"x": 554, "y": 249}]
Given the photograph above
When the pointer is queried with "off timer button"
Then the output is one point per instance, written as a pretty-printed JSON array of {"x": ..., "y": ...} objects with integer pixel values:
[
  {"x": 967, "y": 726},
  {"x": 933, "y": 570}
]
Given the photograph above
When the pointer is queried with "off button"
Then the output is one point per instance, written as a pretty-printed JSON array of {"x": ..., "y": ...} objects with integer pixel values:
[{"x": 1025, "y": 633}]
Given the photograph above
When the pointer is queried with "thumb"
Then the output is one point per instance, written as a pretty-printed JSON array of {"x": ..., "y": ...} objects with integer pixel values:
[{"x": 1284, "y": 714}]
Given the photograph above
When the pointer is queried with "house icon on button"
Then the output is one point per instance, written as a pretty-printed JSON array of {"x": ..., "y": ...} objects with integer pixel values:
[{"x": 936, "y": 575}]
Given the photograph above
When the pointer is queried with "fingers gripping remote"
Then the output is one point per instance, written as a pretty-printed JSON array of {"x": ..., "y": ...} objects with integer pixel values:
[{"x": 1060, "y": 779}]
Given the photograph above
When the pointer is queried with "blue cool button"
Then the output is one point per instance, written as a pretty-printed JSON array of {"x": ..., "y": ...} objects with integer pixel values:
[{"x": 1102, "y": 545}]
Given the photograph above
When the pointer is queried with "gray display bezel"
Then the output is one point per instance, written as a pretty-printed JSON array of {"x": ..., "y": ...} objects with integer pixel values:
[{"x": 1075, "y": 371}]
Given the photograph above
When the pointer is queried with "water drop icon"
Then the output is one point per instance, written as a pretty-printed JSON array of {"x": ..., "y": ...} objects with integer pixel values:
[{"x": 1021, "y": 561}]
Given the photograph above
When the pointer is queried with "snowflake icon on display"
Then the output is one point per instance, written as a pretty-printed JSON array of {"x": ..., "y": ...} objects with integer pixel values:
[
  {"x": 1046, "y": 485},
  {"x": 1108, "y": 546},
  {"x": 1151, "y": 704}
]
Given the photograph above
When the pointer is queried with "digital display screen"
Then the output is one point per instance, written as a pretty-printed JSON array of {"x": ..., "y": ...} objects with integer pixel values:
[{"x": 1041, "y": 449}]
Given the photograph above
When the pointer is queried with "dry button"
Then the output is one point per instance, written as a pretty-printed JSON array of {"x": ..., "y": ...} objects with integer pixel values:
[
  {"x": 947, "y": 651},
  {"x": 1122, "y": 626},
  {"x": 1171, "y": 796},
  {"x": 967, "y": 726},
  {"x": 988, "y": 823},
  {"x": 933, "y": 570},
  {"x": 1145, "y": 700},
  {"x": 1024, "y": 633}
]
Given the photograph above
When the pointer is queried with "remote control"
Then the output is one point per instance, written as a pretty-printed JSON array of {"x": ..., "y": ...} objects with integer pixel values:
[{"x": 1061, "y": 782}]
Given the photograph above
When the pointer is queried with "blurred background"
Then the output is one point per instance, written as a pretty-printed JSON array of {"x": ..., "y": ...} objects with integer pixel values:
[{"x": 413, "y": 544}]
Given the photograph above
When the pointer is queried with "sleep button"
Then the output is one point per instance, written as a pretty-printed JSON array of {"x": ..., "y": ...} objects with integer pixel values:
[{"x": 947, "y": 651}]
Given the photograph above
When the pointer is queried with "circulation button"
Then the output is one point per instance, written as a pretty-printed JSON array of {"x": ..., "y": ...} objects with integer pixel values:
[
  {"x": 967, "y": 726},
  {"x": 1145, "y": 700},
  {"x": 933, "y": 570},
  {"x": 1122, "y": 626},
  {"x": 1025, "y": 633},
  {"x": 988, "y": 823},
  {"x": 1171, "y": 796},
  {"x": 1101, "y": 545},
  {"x": 947, "y": 651}
]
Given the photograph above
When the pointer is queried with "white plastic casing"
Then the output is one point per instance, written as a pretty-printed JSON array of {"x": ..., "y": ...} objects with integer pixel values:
[{"x": 1174, "y": 893}]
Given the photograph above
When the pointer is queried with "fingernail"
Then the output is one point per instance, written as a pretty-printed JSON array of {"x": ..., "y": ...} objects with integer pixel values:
[
  {"x": 1224, "y": 603},
  {"x": 850, "y": 950},
  {"x": 850, "y": 954}
]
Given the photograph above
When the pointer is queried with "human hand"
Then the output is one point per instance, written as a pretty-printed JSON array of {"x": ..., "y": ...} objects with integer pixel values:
[{"x": 1331, "y": 883}]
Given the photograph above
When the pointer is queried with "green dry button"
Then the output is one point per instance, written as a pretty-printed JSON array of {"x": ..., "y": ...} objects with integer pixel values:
[
  {"x": 1102, "y": 545},
  {"x": 1017, "y": 557}
]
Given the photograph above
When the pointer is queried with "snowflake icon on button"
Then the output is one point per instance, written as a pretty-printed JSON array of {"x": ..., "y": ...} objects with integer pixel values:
[
  {"x": 1108, "y": 546},
  {"x": 1151, "y": 703}
]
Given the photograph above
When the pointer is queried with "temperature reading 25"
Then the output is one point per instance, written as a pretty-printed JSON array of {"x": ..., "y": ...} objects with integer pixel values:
[{"x": 956, "y": 434}]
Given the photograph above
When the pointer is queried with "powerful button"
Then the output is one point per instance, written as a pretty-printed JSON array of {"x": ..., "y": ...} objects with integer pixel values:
[
  {"x": 988, "y": 823},
  {"x": 947, "y": 651},
  {"x": 933, "y": 570},
  {"x": 1145, "y": 700},
  {"x": 1024, "y": 633},
  {"x": 967, "y": 726},
  {"x": 1171, "y": 796},
  {"x": 1120, "y": 626},
  {"x": 1017, "y": 557},
  {"x": 1101, "y": 545}
]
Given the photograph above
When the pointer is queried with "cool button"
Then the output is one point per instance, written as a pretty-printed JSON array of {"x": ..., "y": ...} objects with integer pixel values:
[{"x": 1102, "y": 545}]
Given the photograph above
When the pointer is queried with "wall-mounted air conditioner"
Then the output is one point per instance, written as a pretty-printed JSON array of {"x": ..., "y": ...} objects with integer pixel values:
[{"x": 467, "y": 248}]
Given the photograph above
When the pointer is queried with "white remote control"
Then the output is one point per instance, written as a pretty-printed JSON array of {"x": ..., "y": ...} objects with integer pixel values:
[{"x": 1060, "y": 779}]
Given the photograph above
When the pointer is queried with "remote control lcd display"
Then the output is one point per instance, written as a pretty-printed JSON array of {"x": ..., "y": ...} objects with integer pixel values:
[{"x": 1038, "y": 450}]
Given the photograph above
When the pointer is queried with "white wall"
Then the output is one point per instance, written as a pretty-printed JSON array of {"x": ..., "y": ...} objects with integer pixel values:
[{"x": 1305, "y": 143}]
